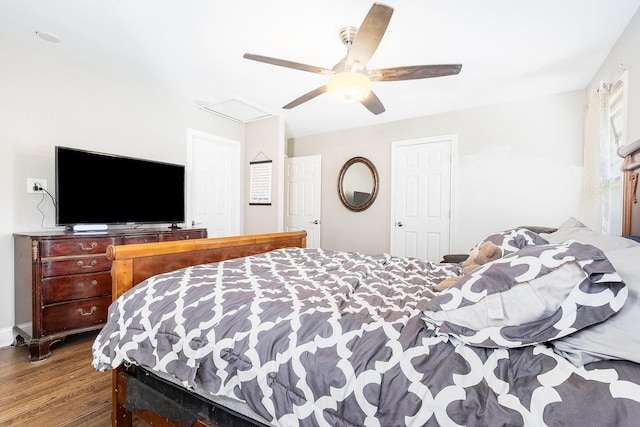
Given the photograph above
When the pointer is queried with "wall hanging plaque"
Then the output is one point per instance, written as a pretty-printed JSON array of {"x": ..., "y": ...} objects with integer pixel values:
[{"x": 260, "y": 182}]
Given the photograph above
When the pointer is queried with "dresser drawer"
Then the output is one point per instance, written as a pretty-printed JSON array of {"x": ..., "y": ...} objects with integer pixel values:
[
  {"x": 84, "y": 246},
  {"x": 78, "y": 265},
  {"x": 181, "y": 235},
  {"x": 74, "y": 314},
  {"x": 145, "y": 238},
  {"x": 74, "y": 287}
]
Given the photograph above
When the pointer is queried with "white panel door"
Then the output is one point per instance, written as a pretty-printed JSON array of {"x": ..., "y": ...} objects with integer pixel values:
[
  {"x": 303, "y": 190},
  {"x": 421, "y": 198},
  {"x": 213, "y": 184}
]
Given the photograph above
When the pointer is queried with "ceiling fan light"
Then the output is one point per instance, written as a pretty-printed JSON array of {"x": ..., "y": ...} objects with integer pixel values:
[{"x": 349, "y": 86}]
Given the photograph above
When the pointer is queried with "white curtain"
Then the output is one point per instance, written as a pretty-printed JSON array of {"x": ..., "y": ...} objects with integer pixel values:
[{"x": 596, "y": 130}]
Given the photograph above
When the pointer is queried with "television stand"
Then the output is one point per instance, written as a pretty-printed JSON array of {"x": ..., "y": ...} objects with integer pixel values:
[{"x": 174, "y": 226}]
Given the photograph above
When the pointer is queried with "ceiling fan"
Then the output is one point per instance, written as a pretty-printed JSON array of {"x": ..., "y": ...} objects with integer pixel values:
[{"x": 350, "y": 79}]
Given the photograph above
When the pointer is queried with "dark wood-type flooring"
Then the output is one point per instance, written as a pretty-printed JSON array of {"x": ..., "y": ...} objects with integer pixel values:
[{"x": 63, "y": 390}]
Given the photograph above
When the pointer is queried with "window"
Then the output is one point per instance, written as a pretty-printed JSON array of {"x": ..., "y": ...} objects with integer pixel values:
[{"x": 613, "y": 136}]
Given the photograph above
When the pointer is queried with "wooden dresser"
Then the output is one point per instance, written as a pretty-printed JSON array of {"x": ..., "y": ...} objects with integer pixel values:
[{"x": 63, "y": 281}]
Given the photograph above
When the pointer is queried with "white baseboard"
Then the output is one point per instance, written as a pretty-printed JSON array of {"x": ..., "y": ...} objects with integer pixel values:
[{"x": 7, "y": 337}]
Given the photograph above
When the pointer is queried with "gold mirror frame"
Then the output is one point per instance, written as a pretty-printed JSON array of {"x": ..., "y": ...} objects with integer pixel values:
[{"x": 373, "y": 193}]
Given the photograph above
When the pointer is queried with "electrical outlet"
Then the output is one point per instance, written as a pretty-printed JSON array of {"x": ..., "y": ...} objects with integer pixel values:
[{"x": 31, "y": 183}]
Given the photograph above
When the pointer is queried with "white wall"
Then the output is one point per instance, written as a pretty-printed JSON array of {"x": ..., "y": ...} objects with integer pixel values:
[
  {"x": 46, "y": 101},
  {"x": 518, "y": 164}
]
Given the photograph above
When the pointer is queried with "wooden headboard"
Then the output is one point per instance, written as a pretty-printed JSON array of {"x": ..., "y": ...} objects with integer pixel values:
[
  {"x": 631, "y": 209},
  {"x": 134, "y": 263}
]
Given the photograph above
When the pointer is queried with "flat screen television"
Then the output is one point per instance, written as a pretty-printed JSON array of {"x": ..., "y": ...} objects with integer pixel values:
[{"x": 102, "y": 189}]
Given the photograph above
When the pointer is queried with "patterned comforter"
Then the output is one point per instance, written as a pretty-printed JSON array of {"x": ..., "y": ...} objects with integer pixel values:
[{"x": 314, "y": 337}]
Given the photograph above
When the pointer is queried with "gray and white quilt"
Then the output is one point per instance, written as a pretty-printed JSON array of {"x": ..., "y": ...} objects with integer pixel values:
[{"x": 311, "y": 337}]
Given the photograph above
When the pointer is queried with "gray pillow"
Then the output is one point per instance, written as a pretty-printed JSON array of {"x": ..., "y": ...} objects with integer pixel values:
[
  {"x": 537, "y": 294},
  {"x": 572, "y": 229},
  {"x": 515, "y": 239},
  {"x": 617, "y": 337}
]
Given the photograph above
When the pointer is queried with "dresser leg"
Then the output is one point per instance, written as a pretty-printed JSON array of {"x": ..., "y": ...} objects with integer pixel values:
[{"x": 39, "y": 349}]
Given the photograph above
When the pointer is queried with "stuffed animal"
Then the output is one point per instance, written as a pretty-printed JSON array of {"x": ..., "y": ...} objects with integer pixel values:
[{"x": 479, "y": 255}]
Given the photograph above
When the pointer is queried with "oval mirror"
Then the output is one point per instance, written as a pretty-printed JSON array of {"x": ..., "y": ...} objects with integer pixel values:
[{"x": 358, "y": 184}]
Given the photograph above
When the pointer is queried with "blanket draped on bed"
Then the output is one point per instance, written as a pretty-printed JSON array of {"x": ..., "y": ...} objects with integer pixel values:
[{"x": 314, "y": 337}]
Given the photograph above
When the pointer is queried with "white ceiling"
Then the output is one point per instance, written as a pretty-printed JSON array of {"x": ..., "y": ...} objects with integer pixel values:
[{"x": 510, "y": 49}]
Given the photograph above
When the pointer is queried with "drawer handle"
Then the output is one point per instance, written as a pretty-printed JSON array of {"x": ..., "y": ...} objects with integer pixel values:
[
  {"x": 82, "y": 312},
  {"x": 92, "y": 283},
  {"x": 93, "y": 264},
  {"x": 92, "y": 247}
]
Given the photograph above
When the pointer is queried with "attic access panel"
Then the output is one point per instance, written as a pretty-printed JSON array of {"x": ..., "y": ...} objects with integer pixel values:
[{"x": 237, "y": 110}]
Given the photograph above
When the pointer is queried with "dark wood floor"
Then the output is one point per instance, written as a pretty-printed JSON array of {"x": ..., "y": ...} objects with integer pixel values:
[{"x": 63, "y": 390}]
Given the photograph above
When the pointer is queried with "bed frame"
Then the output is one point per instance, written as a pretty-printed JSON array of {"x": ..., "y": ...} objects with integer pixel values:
[
  {"x": 162, "y": 404},
  {"x": 152, "y": 399},
  {"x": 631, "y": 208}
]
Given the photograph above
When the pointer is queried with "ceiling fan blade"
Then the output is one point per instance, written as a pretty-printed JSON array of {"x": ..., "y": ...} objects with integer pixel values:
[
  {"x": 369, "y": 35},
  {"x": 373, "y": 103},
  {"x": 306, "y": 97},
  {"x": 287, "y": 64},
  {"x": 414, "y": 72}
]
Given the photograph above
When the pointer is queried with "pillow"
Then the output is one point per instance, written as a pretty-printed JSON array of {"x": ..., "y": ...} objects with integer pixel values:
[
  {"x": 515, "y": 239},
  {"x": 572, "y": 229},
  {"x": 618, "y": 337},
  {"x": 536, "y": 294}
]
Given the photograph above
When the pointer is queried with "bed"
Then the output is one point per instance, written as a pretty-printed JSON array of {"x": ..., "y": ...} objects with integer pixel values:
[{"x": 259, "y": 330}]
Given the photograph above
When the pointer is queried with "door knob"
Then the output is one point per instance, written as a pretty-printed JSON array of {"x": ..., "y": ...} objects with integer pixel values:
[
  {"x": 316, "y": 222},
  {"x": 399, "y": 224}
]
